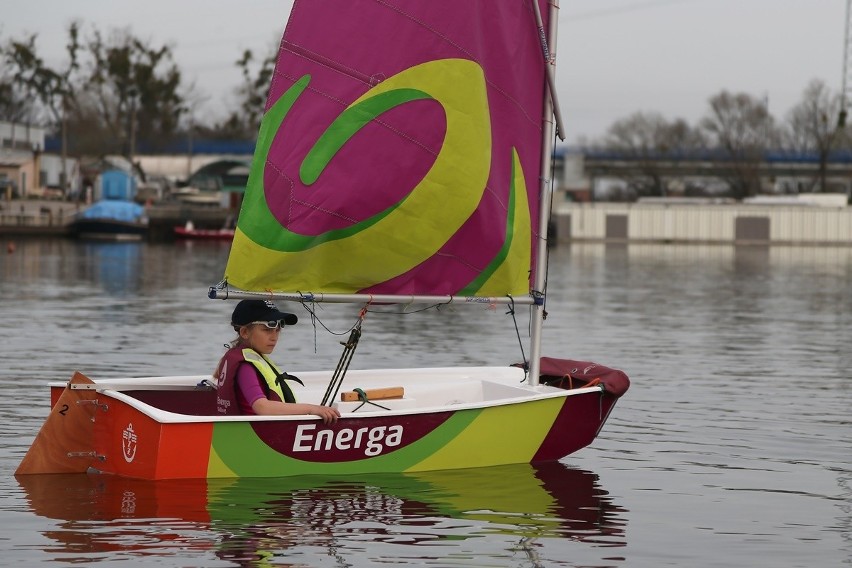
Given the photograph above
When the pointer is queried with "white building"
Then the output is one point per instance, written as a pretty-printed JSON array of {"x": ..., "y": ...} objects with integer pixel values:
[
  {"x": 26, "y": 170},
  {"x": 21, "y": 146}
]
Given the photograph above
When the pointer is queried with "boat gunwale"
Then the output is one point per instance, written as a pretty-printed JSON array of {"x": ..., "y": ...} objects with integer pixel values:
[{"x": 113, "y": 388}]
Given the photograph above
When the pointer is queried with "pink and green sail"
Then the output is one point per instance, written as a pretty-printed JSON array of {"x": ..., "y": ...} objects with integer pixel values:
[{"x": 399, "y": 152}]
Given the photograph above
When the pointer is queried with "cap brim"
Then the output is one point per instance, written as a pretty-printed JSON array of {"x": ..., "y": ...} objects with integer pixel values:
[{"x": 288, "y": 319}]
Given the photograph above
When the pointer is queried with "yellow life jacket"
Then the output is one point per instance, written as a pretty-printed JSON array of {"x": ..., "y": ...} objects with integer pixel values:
[{"x": 273, "y": 376}]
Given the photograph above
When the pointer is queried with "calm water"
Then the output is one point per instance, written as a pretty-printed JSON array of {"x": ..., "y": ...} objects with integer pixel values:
[{"x": 732, "y": 448}]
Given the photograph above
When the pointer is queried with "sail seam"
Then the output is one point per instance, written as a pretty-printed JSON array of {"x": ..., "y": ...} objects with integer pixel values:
[{"x": 329, "y": 63}]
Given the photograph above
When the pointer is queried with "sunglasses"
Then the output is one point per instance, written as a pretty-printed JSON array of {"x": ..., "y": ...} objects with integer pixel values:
[{"x": 275, "y": 324}]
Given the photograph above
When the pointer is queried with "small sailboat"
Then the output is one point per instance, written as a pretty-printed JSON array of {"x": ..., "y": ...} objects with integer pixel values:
[
  {"x": 190, "y": 231},
  {"x": 403, "y": 160}
]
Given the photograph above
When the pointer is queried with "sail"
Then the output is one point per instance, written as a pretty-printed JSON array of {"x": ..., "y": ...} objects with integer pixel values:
[{"x": 399, "y": 152}]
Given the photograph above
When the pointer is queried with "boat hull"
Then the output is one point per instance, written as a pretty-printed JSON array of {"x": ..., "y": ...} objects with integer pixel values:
[
  {"x": 107, "y": 229},
  {"x": 424, "y": 442},
  {"x": 134, "y": 431},
  {"x": 204, "y": 234}
]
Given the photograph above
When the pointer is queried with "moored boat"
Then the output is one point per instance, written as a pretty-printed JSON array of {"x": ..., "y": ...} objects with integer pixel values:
[
  {"x": 110, "y": 220},
  {"x": 189, "y": 231}
]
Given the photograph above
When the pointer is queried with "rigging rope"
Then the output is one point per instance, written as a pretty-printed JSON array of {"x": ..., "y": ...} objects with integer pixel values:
[
  {"x": 362, "y": 396},
  {"x": 349, "y": 347},
  {"x": 549, "y": 221},
  {"x": 511, "y": 312}
]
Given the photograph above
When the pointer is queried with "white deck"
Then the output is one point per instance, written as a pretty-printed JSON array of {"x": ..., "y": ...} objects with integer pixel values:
[{"x": 426, "y": 390}]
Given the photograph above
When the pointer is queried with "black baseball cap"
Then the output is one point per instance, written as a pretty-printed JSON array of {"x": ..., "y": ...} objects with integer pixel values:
[{"x": 248, "y": 311}]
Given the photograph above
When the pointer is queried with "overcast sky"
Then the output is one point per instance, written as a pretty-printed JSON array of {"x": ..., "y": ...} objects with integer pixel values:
[{"x": 615, "y": 57}]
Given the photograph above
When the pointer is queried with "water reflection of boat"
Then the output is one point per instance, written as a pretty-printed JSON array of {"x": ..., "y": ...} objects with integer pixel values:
[
  {"x": 114, "y": 266},
  {"x": 523, "y": 501}
]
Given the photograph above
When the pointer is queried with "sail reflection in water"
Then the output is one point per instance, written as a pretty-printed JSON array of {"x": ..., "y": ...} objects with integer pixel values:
[{"x": 244, "y": 519}]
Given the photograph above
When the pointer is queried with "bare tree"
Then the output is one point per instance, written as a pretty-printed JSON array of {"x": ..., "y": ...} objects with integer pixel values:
[
  {"x": 655, "y": 145},
  {"x": 45, "y": 87},
  {"x": 134, "y": 90},
  {"x": 46, "y": 91},
  {"x": 121, "y": 92},
  {"x": 257, "y": 75},
  {"x": 32, "y": 82},
  {"x": 15, "y": 104},
  {"x": 739, "y": 128},
  {"x": 811, "y": 127}
]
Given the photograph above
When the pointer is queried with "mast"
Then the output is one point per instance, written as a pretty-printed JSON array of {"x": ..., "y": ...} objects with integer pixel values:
[
  {"x": 545, "y": 197},
  {"x": 847, "y": 51}
]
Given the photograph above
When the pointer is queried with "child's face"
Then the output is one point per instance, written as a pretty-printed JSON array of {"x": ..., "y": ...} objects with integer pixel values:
[{"x": 260, "y": 338}]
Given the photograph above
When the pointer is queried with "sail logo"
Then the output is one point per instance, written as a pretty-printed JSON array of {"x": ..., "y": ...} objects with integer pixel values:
[
  {"x": 129, "y": 441},
  {"x": 372, "y": 440},
  {"x": 273, "y": 251}
]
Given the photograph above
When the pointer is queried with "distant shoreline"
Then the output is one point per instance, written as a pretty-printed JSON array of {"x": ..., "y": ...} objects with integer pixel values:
[{"x": 50, "y": 218}]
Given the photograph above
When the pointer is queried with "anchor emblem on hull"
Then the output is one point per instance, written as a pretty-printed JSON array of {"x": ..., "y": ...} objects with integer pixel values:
[{"x": 128, "y": 443}]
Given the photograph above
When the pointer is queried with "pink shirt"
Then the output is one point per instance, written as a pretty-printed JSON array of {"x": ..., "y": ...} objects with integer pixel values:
[{"x": 249, "y": 388}]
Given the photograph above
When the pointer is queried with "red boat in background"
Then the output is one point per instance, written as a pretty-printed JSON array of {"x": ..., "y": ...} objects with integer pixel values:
[{"x": 189, "y": 231}]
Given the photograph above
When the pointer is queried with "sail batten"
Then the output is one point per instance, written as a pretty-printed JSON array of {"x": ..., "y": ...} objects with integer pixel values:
[{"x": 399, "y": 153}]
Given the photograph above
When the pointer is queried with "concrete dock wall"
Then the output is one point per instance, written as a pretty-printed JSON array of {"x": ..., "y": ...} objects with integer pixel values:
[
  {"x": 572, "y": 222},
  {"x": 729, "y": 223}
]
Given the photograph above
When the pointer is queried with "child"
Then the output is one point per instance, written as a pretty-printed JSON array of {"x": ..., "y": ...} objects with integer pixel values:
[{"x": 247, "y": 380}]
